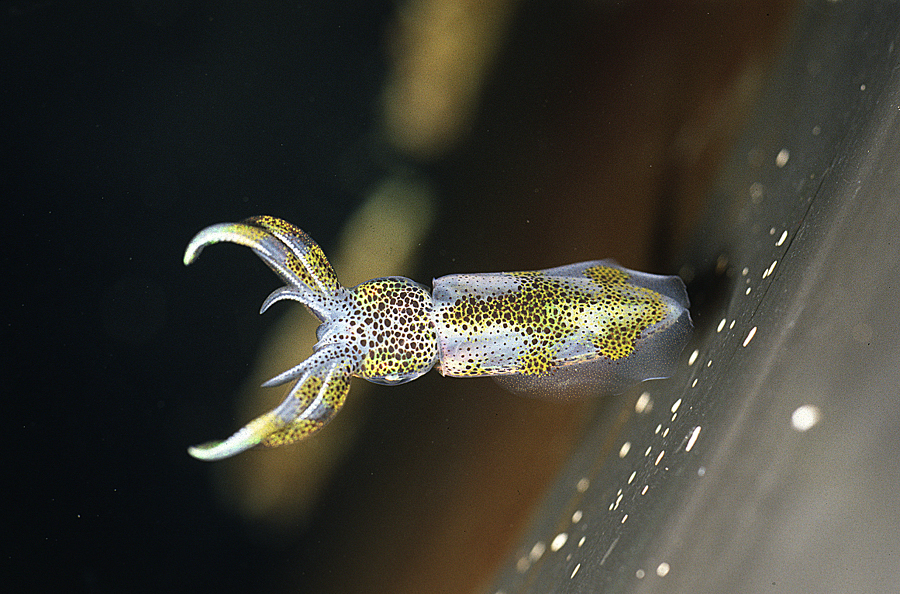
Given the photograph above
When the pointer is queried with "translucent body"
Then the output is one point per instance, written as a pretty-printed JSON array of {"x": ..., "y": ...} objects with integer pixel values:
[{"x": 576, "y": 330}]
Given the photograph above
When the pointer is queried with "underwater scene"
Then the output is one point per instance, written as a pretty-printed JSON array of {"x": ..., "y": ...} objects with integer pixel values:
[{"x": 557, "y": 296}]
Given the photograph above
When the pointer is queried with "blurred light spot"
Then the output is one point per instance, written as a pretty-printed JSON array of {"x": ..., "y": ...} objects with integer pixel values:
[
  {"x": 576, "y": 517},
  {"x": 693, "y": 357},
  {"x": 559, "y": 541},
  {"x": 701, "y": 471},
  {"x": 782, "y": 157},
  {"x": 662, "y": 570},
  {"x": 623, "y": 451},
  {"x": 639, "y": 574},
  {"x": 644, "y": 403},
  {"x": 805, "y": 417},
  {"x": 537, "y": 551},
  {"x": 583, "y": 485},
  {"x": 756, "y": 192}
]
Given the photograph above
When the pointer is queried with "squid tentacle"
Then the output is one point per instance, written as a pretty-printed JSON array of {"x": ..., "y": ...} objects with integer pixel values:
[
  {"x": 290, "y": 253},
  {"x": 314, "y": 269},
  {"x": 318, "y": 394}
]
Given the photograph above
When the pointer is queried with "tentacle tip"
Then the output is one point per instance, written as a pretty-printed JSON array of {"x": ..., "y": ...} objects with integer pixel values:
[
  {"x": 208, "y": 451},
  {"x": 219, "y": 450},
  {"x": 192, "y": 253}
]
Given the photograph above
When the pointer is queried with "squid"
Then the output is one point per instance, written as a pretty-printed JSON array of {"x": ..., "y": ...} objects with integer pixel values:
[{"x": 584, "y": 329}]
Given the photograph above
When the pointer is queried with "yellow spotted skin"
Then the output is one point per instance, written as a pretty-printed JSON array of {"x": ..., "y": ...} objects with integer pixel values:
[
  {"x": 390, "y": 321},
  {"x": 587, "y": 328}
]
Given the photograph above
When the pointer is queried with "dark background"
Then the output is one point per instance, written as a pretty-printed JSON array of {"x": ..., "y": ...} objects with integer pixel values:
[{"x": 126, "y": 128}]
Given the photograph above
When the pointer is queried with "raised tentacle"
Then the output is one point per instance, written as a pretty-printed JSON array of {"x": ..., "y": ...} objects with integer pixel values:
[
  {"x": 316, "y": 270},
  {"x": 286, "y": 249},
  {"x": 320, "y": 391}
]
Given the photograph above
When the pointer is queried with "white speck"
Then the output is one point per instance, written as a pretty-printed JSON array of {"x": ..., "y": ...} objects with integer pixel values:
[
  {"x": 658, "y": 458},
  {"x": 537, "y": 551},
  {"x": 644, "y": 490},
  {"x": 862, "y": 87},
  {"x": 662, "y": 570},
  {"x": 647, "y": 453},
  {"x": 693, "y": 357},
  {"x": 805, "y": 417},
  {"x": 581, "y": 541},
  {"x": 721, "y": 325},
  {"x": 701, "y": 471},
  {"x": 770, "y": 269},
  {"x": 666, "y": 432},
  {"x": 745, "y": 271},
  {"x": 676, "y": 405},
  {"x": 583, "y": 485},
  {"x": 782, "y": 157},
  {"x": 618, "y": 501},
  {"x": 781, "y": 239},
  {"x": 644, "y": 403},
  {"x": 747, "y": 292},
  {"x": 709, "y": 363},
  {"x": 574, "y": 571},
  {"x": 731, "y": 325},
  {"x": 694, "y": 383},
  {"x": 750, "y": 336},
  {"x": 657, "y": 430},
  {"x": 558, "y": 541},
  {"x": 771, "y": 230},
  {"x": 692, "y": 439},
  {"x": 631, "y": 478},
  {"x": 623, "y": 451},
  {"x": 625, "y": 517},
  {"x": 639, "y": 574},
  {"x": 576, "y": 517}
]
